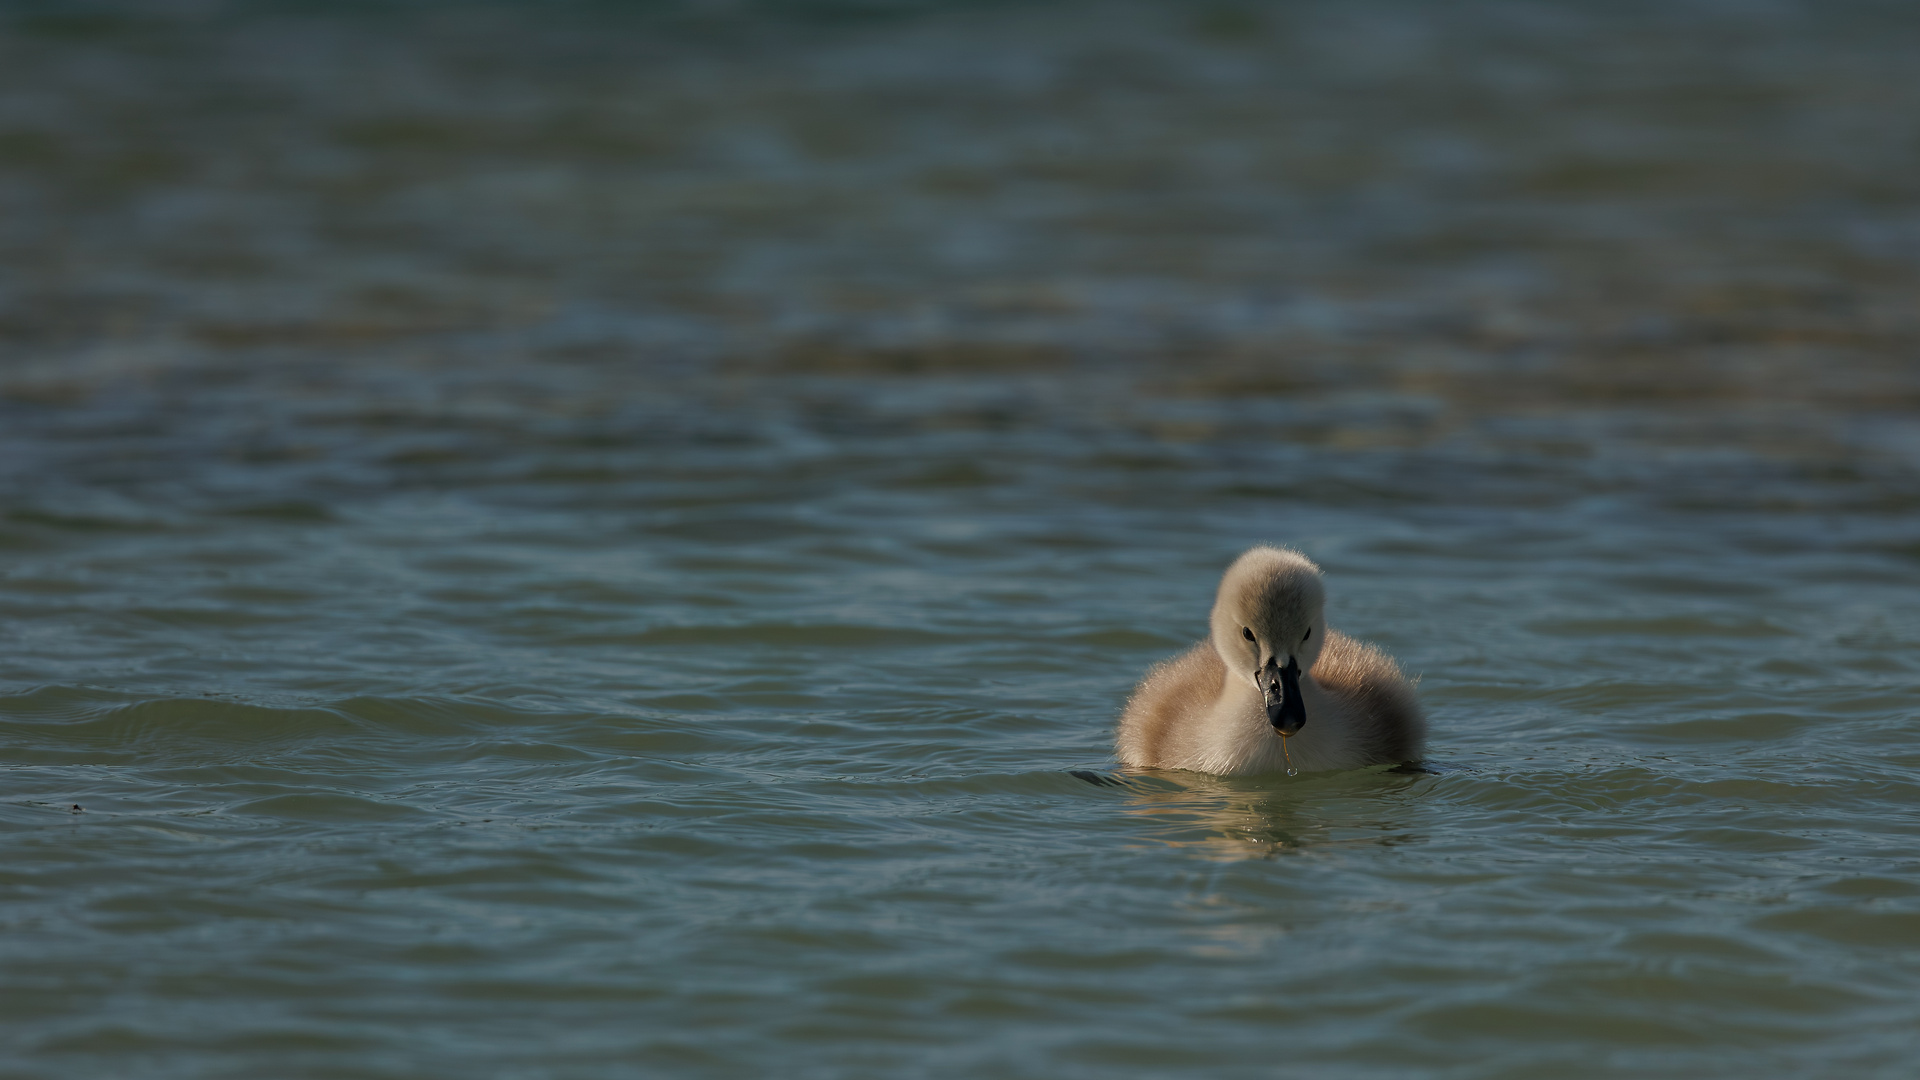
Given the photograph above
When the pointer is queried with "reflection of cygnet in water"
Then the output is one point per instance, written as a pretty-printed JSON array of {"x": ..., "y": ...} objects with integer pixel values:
[{"x": 1272, "y": 689}]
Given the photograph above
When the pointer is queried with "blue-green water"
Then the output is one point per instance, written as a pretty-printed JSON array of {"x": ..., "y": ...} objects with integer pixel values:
[{"x": 566, "y": 542}]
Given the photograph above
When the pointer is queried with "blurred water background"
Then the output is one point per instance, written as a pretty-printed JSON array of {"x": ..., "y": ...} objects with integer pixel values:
[{"x": 584, "y": 540}]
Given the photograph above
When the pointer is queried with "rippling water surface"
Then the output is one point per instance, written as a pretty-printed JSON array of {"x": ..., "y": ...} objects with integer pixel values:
[{"x": 572, "y": 541}]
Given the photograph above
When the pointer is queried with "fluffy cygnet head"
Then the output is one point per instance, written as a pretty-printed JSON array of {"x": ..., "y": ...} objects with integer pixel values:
[{"x": 1269, "y": 625}]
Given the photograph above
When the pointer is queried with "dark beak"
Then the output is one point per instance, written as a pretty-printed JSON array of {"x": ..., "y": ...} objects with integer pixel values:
[{"x": 1285, "y": 710}]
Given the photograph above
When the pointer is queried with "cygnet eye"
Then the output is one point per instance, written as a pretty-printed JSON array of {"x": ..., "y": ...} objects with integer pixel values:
[
  {"x": 1307, "y": 635},
  {"x": 1246, "y": 633}
]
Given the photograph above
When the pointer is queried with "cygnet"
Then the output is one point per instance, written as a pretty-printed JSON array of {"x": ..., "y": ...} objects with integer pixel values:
[{"x": 1272, "y": 689}]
